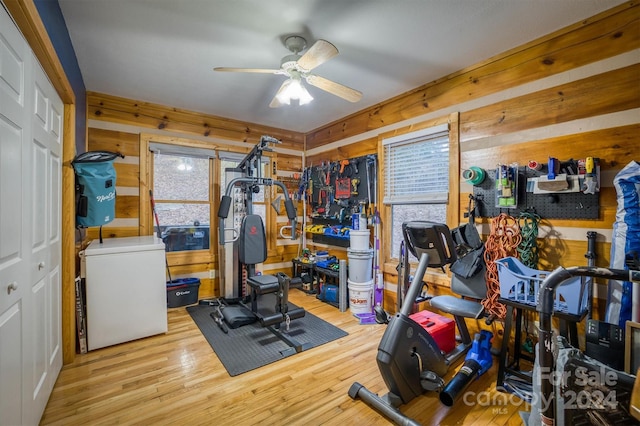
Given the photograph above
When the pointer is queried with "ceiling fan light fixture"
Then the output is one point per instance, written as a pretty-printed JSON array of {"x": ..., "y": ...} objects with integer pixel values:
[
  {"x": 294, "y": 89},
  {"x": 283, "y": 94},
  {"x": 304, "y": 97},
  {"x": 297, "y": 67}
]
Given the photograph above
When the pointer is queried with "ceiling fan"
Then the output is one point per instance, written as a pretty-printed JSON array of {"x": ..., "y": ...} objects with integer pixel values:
[{"x": 298, "y": 67}]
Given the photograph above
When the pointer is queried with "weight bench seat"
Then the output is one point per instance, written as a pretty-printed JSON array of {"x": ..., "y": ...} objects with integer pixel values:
[
  {"x": 263, "y": 284},
  {"x": 457, "y": 306}
]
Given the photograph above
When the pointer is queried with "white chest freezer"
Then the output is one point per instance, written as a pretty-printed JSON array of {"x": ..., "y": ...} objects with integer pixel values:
[{"x": 125, "y": 289}]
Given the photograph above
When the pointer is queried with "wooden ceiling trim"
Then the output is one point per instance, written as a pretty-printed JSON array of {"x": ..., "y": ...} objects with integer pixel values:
[{"x": 127, "y": 111}]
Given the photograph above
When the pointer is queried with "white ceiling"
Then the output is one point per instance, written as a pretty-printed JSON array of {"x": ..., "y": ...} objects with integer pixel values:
[{"x": 163, "y": 51}]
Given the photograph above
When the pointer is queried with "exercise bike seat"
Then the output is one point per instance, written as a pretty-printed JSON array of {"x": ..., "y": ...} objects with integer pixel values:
[{"x": 458, "y": 306}]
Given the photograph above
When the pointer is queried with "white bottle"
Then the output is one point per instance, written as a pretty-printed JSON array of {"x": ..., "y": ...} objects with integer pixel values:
[{"x": 362, "y": 225}]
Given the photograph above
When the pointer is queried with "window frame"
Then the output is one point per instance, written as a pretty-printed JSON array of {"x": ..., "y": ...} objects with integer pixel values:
[
  {"x": 453, "y": 200},
  {"x": 145, "y": 217},
  {"x": 146, "y": 221}
]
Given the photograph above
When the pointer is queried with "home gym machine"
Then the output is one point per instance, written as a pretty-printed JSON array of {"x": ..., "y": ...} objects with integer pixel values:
[
  {"x": 409, "y": 358},
  {"x": 243, "y": 244},
  {"x": 581, "y": 390}
]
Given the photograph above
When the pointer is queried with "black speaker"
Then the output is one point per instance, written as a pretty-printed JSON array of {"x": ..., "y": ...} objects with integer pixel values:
[{"x": 605, "y": 342}]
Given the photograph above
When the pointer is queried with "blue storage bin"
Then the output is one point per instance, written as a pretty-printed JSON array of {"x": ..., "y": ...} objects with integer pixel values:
[
  {"x": 329, "y": 293},
  {"x": 182, "y": 291},
  {"x": 522, "y": 284}
]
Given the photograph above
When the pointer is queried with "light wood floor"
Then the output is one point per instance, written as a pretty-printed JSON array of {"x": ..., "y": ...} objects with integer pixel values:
[{"x": 176, "y": 378}]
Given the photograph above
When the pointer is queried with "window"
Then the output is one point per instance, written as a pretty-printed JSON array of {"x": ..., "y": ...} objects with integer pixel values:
[
  {"x": 417, "y": 179},
  {"x": 182, "y": 182}
]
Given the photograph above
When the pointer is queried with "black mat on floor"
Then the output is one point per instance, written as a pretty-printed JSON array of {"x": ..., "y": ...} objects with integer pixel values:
[{"x": 251, "y": 346}]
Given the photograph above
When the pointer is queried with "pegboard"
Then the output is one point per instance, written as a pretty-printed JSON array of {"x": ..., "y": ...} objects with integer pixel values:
[
  {"x": 571, "y": 205},
  {"x": 332, "y": 196}
]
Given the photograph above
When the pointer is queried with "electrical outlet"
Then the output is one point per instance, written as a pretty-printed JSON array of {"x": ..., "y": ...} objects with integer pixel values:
[{"x": 212, "y": 273}]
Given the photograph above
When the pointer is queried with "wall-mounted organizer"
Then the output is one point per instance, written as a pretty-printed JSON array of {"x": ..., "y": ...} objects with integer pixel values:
[
  {"x": 336, "y": 192},
  {"x": 568, "y": 193}
]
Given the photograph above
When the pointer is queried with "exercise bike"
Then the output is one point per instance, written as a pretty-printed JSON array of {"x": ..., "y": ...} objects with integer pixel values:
[
  {"x": 409, "y": 358},
  {"x": 602, "y": 399}
]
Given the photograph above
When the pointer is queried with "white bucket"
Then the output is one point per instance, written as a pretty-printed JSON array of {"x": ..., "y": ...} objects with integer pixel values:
[
  {"x": 359, "y": 239},
  {"x": 360, "y": 297},
  {"x": 360, "y": 265}
]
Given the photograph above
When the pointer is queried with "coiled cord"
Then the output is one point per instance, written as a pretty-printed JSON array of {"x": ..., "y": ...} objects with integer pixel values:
[
  {"x": 528, "y": 248},
  {"x": 503, "y": 241}
]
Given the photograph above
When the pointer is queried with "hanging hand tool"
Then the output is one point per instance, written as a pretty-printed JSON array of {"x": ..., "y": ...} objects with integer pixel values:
[
  {"x": 366, "y": 165},
  {"x": 354, "y": 184},
  {"x": 590, "y": 184},
  {"x": 322, "y": 195},
  {"x": 310, "y": 193},
  {"x": 553, "y": 181},
  {"x": 354, "y": 165},
  {"x": 343, "y": 165},
  {"x": 322, "y": 200},
  {"x": 304, "y": 183},
  {"x": 322, "y": 174}
]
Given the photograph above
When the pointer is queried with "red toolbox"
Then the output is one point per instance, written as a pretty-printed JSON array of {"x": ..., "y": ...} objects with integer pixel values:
[{"x": 442, "y": 329}]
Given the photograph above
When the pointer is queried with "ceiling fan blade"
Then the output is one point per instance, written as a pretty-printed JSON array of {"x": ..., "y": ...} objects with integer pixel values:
[
  {"x": 255, "y": 70},
  {"x": 275, "y": 102},
  {"x": 319, "y": 53},
  {"x": 334, "y": 88}
]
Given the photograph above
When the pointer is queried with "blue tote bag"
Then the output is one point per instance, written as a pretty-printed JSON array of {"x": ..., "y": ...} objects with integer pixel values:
[{"x": 95, "y": 188}]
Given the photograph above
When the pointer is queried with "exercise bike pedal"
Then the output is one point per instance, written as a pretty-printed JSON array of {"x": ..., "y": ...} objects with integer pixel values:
[{"x": 430, "y": 381}]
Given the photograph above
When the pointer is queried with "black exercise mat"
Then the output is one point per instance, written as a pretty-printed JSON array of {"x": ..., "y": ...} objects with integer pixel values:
[{"x": 251, "y": 346}]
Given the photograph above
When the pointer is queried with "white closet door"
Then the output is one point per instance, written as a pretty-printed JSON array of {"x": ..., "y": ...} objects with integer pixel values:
[
  {"x": 14, "y": 214},
  {"x": 30, "y": 242},
  {"x": 46, "y": 154}
]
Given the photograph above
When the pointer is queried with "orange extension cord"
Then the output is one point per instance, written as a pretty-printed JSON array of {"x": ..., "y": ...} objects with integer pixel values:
[{"x": 502, "y": 242}]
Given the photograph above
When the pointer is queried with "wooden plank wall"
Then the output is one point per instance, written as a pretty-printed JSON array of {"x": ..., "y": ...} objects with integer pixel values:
[
  {"x": 571, "y": 94},
  {"x": 116, "y": 124}
]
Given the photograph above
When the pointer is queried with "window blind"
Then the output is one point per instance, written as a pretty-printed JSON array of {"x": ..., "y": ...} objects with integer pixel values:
[
  {"x": 237, "y": 157},
  {"x": 417, "y": 167},
  {"x": 183, "y": 151}
]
